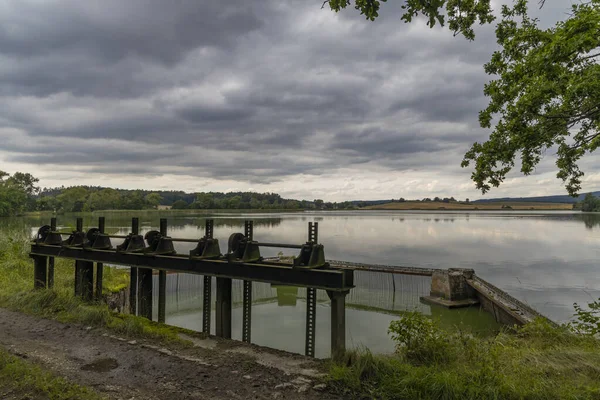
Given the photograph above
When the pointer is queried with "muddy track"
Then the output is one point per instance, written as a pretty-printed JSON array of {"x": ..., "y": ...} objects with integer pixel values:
[{"x": 121, "y": 368}]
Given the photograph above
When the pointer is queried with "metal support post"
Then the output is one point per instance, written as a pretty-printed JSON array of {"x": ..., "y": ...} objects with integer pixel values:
[
  {"x": 51, "y": 259},
  {"x": 133, "y": 274},
  {"x": 223, "y": 319},
  {"x": 338, "y": 323},
  {"x": 206, "y": 301},
  {"x": 85, "y": 282},
  {"x": 145, "y": 292},
  {"x": 39, "y": 272},
  {"x": 247, "y": 299},
  {"x": 78, "y": 289},
  {"x": 311, "y": 314},
  {"x": 162, "y": 281},
  {"x": 247, "y": 312},
  {"x": 100, "y": 266}
]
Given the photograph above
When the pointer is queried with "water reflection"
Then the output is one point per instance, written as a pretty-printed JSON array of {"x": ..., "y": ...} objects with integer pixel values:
[{"x": 279, "y": 312}]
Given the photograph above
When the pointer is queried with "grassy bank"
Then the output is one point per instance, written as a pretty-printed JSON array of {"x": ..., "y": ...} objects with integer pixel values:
[
  {"x": 538, "y": 361},
  {"x": 16, "y": 283}
]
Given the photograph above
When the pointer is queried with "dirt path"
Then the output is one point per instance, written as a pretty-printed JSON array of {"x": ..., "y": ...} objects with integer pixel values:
[{"x": 128, "y": 369}]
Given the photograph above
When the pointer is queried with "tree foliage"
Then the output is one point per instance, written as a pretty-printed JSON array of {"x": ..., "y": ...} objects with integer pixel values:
[
  {"x": 16, "y": 193},
  {"x": 459, "y": 15},
  {"x": 547, "y": 95}
]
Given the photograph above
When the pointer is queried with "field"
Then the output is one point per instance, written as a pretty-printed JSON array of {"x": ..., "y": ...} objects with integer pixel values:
[{"x": 434, "y": 205}]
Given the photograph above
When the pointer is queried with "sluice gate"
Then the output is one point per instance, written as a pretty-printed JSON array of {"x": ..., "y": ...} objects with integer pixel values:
[{"x": 155, "y": 251}]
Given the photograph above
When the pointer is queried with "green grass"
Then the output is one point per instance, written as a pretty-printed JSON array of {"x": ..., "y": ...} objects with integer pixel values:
[
  {"x": 16, "y": 284},
  {"x": 20, "y": 379},
  {"x": 537, "y": 362}
]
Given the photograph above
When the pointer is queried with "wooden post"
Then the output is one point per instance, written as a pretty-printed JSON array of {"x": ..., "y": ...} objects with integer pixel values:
[
  {"x": 338, "y": 323},
  {"x": 100, "y": 266},
  {"x": 223, "y": 317},
  {"x": 133, "y": 273},
  {"x": 39, "y": 272},
  {"x": 162, "y": 281},
  {"x": 51, "y": 259}
]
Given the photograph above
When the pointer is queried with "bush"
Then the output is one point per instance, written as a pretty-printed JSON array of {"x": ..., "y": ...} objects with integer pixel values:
[{"x": 421, "y": 340}]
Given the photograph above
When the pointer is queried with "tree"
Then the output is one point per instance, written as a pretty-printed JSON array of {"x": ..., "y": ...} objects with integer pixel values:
[
  {"x": 179, "y": 205},
  {"x": 590, "y": 203},
  {"x": 319, "y": 204},
  {"x": 547, "y": 95},
  {"x": 153, "y": 199},
  {"x": 73, "y": 199},
  {"x": 546, "y": 91}
]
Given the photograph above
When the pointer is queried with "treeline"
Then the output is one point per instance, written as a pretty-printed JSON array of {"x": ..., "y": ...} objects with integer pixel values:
[
  {"x": 590, "y": 203},
  {"x": 19, "y": 194}
]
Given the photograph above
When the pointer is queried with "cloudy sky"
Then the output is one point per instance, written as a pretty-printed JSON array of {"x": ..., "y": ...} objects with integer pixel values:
[{"x": 263, "y": 95}]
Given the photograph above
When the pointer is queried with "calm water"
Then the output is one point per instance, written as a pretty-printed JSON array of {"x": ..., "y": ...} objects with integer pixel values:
[{"x": 548, "y": 260}]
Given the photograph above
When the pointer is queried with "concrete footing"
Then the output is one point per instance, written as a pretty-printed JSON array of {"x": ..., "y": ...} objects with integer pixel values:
[{"x": 450, "y": 288}]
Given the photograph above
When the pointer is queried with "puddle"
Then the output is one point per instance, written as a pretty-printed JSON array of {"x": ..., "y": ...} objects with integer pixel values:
[{"x": 101, "y": 365}]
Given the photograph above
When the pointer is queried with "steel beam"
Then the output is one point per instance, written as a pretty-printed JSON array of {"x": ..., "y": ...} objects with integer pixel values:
[
  {"x": 311, "y": 315},
  {"x": 145, "y": 292},
  {"x": 338, "y": 323},
  {"x": 283, "y": 274},
  {"x": 223, "y": 320},
  {"x": 206, "y": 304},
  {"x": 39, "y": 272},
  {"x": 162, "y": 281},
  {"x": 51, "y": 259},
  {"x": 84, "y": 283},
  {"x": 100, "y": 266},
  {"x": 247, "y": 313},
  {"x": 133, "y": 273}
]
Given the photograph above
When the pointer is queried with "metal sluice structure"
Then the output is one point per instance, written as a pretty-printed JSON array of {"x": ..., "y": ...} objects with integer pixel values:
[{"x": 155, "y": 250}]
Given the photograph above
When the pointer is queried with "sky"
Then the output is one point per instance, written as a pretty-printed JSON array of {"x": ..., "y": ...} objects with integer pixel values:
[{"x": 258, "y": 95}]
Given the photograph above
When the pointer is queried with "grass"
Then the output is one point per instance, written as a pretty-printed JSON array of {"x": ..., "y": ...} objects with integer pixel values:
[
  {"x": 434, "y": 205},
  {"x": 16, "y": 283},
  {"x": 20, "y": 379},
  {"x": 539, "y": 361}
]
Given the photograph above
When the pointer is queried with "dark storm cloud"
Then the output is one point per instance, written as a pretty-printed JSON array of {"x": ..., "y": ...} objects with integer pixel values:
[{"x": 253, "y": 91}]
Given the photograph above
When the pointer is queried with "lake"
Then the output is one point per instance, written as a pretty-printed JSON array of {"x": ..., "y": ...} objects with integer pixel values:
[{"x": 546, "y": 259}]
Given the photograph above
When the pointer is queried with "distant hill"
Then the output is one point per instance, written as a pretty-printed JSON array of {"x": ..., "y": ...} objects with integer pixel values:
[{"x": 539, "y": 199}]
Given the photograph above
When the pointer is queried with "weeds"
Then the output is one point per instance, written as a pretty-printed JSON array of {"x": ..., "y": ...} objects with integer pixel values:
[
  {"x": 16, "y": 283},
  {"x": 538, "y": 361}
]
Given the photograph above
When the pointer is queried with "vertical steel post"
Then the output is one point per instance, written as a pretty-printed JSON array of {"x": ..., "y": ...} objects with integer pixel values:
[
  {"x": 145, "y": 290},
  {"x": 78, "y": 266},
  {"x": 247, "y": 313},
  {"x": 247, "y": 298},
  {"x": 311, "y": 300},
  {"x": 86, "y": 275},
  {"x": 100, "y": 266},
  {"x": 162, "y": 282},
  {"x": 133, "y": 274},
  {"x": 311, "y": 315},
  {"x": 338, "y": 323},
  {"x": 223, "y": 319},
  {"x": 206, "y": 300},
  {"x": 207, "y": 286},
  {"x": 51, "y": 259},
  {"x": 39, "y": 272}
]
